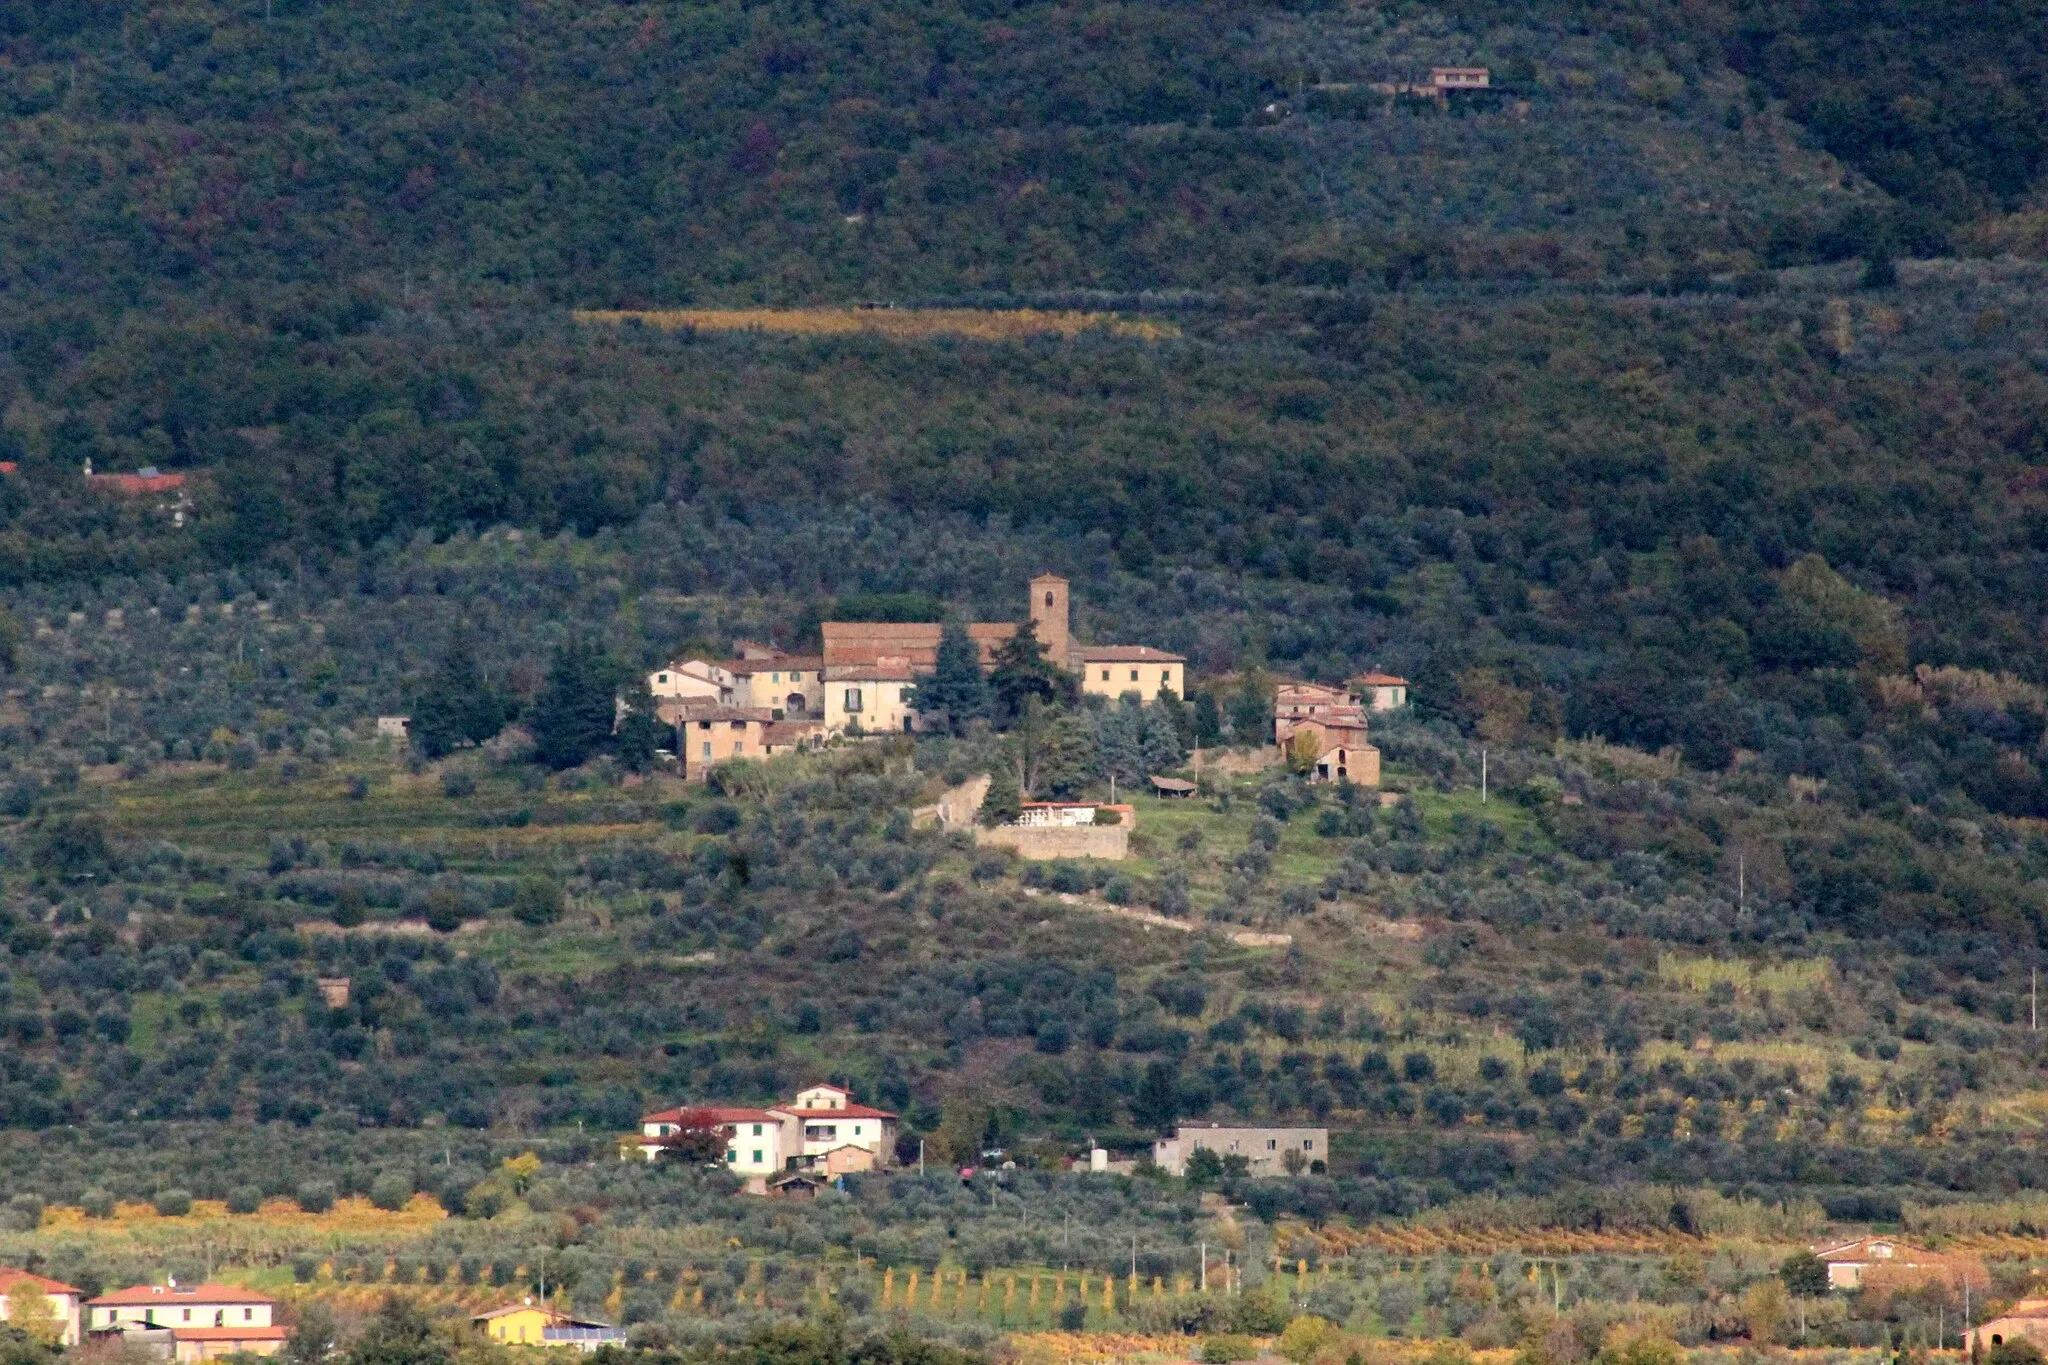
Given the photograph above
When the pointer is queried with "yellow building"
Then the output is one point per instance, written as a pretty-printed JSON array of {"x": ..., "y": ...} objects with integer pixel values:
[
  {"x": 531, "y": 1324},
  {"x": 519, "y": 1324},
  {"x": 1112, "y": 670}
]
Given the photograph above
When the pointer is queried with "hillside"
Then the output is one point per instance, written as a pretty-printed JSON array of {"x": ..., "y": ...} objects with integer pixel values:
[{"x": 1670, "y": 414}]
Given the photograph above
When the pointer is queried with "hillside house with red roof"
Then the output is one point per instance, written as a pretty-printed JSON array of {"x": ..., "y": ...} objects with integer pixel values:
[
  {"x": 65, "y": 1300},
  {"x": 204, "y": 1320},
  {"x": 822, "y": 1129}
]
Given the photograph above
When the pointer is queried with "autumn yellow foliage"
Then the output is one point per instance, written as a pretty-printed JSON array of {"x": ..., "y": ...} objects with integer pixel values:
[{"x": 902, "y": 324}]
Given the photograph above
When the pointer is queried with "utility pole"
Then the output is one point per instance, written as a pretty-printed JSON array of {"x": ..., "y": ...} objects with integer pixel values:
[
  {"x": 1741, "y": 882},
  {"x": 2034, "y": 1000},
  {"x": 1204, "y": 1254},
  {"x": 920, "y": 1156},
  {"x": 1482, "y": 777},
  {"x": 1134, "y": 1257}
]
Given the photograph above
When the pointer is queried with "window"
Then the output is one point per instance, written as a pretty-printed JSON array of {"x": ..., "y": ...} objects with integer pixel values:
[
  {"x": 757, "y": 1130},
  {"x": 1105, "y": 675},
  {"x": 1134, "y": 675},
  {"x": 707, "y": 748},
  {"x": 1165, "y": 676},
  {"x": 1271, "y": 1144},
  {"x": 796, "y": 677},
  {"x": 703, "y": 725},
  {"x": 739, "y": 746},
  {"x": 188, "y": 1314},
  {"x": 775, "y": 677},
  {"x": 856, "y": 1130},
  {"x": 662, "y": 677},
  {"x": 903, "y": 695},
  {"x": 757, "y": 1156},
  {"x": 1308, "y": 1144},
  {"x": 1048, "y": 598},
  {"x": 852, "y": 700},
  {"x": 731, "y": 1154},
  {"x": 735, "y": 725}
]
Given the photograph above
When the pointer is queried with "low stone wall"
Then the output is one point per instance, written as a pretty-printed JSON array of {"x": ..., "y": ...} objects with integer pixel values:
[
  {"x": 1038, "y": 842},
  {"x": 1234, "y": 762}
]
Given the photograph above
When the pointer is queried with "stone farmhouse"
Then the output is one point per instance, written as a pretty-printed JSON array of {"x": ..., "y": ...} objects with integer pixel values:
[
  {"x": 1324, "y": 728},
  {"x": 765, "y": 701},
  {"x": 2026, "y": 1320},
  {"x": 822, "y": 1130}
]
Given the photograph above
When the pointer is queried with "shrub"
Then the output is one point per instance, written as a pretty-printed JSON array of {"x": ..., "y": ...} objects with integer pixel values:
[
  {"x": 97, "y": 1204},
  {"x": 244, "y": 1199},
  {"x": 444, "y": 909},
  {"x": 390, "y": 1192},
  {"x": 719, "y": 817},
  {"x": 358, "y": 787},
  {"x": 173, "y": 1203},
  {"x": 24, "y": 1213},
  {"x": 316, "y": 1196},
  {"x": 537, "y": 902},
  {"x": 1304, "y": 1337},
  {"x": 1223, "y": 1350},
  {"x": 1074, "y": 1316},
  {"x": 457, "y": 785}
]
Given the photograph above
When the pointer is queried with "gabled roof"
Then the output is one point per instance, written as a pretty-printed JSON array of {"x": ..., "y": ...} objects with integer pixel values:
[
  {"x": 184, "y": 1294},
  {"x": 904, "y": 672},
  {"x": 850, "y": 1111},
  {"x": 1859, "y": 1250},
  {"x": 10, "y": 1277},
  {"x": 1379, "y": 680},
  {"x": 781, "y": 664},
  {"x": 718, "y": 1114},
  {"x": 512, "y": 1308},
  {"x": 147, "y": 480},
  {"x": 827, "y": 1085},
  {"x": 1128, "y": 654}
]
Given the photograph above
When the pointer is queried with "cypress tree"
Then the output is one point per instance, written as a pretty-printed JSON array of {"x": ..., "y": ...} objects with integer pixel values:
[
  {"x": 573, "y": 715},
  {"x": 954, "y": 692}
]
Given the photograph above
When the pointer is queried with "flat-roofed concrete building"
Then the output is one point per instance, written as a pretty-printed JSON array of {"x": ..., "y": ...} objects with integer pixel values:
[{"x": 1265, "y": 1150}]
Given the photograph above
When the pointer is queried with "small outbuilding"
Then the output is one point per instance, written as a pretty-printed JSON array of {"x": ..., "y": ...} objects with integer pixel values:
[{"x": 1172, "y": 788}]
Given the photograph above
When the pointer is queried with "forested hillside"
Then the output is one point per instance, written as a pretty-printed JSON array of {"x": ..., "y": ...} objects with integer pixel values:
[{"x": 1672, "y": 415}]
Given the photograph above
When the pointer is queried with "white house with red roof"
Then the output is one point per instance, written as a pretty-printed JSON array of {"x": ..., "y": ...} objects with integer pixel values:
[
  {"x": 204, "y": 1320},
  {"x": 824, "y": 1121},
  {"x": 753, "y": 1137},
  {"x": 823, "y": 1128},
  {"x": 64, "y": 1300}
]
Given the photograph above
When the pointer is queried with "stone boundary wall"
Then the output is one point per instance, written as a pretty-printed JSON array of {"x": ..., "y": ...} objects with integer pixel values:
[
  {"x": 1234, "y": 762},
  {"x": 1109, "y": 842}
]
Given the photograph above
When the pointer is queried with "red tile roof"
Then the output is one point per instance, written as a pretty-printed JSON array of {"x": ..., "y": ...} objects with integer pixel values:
[
  {"x": 711, "y": 713},
  {"x": 183, "y": 1295},
  {"x": 1380, "y": 680},
  {"x": 809, "y": 663},
  {"x": 1128, "y": 654},
  {"x": 851, "y": 1111},
  {"x": 138, "y": 482},
  {"x": 718, "y": 1114},
  {"x": 10, "y": 1277},
  {"x": 511, "y": 1308}
]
